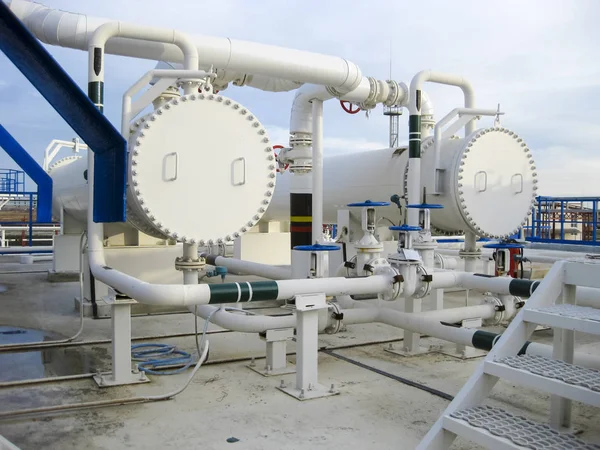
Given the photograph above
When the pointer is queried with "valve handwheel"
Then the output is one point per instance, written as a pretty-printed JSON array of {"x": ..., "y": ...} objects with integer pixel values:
[
  {"x": 349, "y": 107},
  {"x": 277, "y": 159}
]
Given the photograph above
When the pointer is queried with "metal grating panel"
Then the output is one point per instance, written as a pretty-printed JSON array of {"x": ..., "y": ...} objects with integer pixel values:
[
  {"x": 576, "y": 312},
  {"x": 551, "y": 368},
  {"x": 520, "y": 430}
]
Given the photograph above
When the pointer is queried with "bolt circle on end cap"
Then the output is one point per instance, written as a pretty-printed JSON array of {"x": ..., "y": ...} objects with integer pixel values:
[
  {"x": 316, "y": 248},
  {"x": 243, "y": 178},
  {"x": 367, "y": 203},
  {"x": 495, "y": 171}
]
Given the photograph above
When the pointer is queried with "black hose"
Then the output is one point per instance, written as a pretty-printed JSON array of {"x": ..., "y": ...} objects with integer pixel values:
[{"x": 408, "y": 382}]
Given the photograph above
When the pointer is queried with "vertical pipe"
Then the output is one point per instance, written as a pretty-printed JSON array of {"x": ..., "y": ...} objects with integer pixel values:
[
  {"x": 562, "y": 220},
  {"x": 31, "y": 219},
  {"x": 414, "y": 163},
  {"x": 470, "y": 246},
  {"x": 190, "y": 253},
  {"x": 96, "y": 77},
  {"x": 594, "y": 220},
  {"x": 301, "y": 209},
  {"x": 317, "y": 171}
]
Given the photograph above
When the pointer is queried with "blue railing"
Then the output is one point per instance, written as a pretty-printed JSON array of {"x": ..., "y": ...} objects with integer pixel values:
[
  {"x": 12, "y": 180},
  {"x": 568, "y": 220},
  {"x": 55, "y": 85}
]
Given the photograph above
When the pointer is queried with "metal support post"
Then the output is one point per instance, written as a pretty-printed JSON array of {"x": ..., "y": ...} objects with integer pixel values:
[
  {"x": 121, "y": 348},
  {"x": 276, "y": 355},
  {"x": 563, "y": 349},
  {"x": 307, "y": 348}
]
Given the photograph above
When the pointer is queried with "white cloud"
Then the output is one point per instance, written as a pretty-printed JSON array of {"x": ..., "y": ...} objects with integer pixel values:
[
  {"x": 332, "y": 145},
  {"x": 565, "y": 173}
]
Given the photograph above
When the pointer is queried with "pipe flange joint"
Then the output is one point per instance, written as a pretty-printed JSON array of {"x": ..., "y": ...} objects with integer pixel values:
[
  {"x": 371, "y": 101},
  {"x": 498, "y": 307},
  {"x": 336, "y": 319},
  {"x": 182, "y": 263},
  {"x": 395, "y": 288},
  {"x": 425, "y": 285},
  {"x": 469, "y": 255}
]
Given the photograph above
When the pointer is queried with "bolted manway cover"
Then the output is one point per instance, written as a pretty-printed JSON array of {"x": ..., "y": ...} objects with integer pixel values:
[{"x": 201, "y": 169}]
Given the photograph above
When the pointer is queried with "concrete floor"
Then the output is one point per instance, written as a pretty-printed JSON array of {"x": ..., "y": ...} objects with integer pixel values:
[{"x": 226, "y": 399}]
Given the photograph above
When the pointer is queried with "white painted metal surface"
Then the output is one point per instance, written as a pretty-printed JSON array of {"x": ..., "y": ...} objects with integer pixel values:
[
  {"x": 544, "y": 383},
  {"x": 480, "y": 189},
  {"x": 488, "y": 182},
  {"x": 219, "y": 145}
]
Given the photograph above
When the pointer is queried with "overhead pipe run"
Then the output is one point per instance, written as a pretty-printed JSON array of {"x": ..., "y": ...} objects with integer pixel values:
[
  {"x": 110, "y": 30},
  {"x": 273, "y": 66}
]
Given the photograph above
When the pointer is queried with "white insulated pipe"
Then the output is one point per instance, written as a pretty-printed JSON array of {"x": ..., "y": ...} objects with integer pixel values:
[
  {"x": 73, "y": 30},
  {"x": 414, "y": 107},
  {"x": 317, "y": 171},
  {"x": 250, "y": 268},
  {"x": 244, "y": 323},
  {"x": 185, "y": 295},
  {"x": 17, "y": 250},
  {"x": 441, "y": 78},
  {"x": 115, "y": 29}
]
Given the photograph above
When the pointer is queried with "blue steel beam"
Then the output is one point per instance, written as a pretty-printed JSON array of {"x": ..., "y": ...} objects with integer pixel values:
[
  {"x": 49, "y": 78},
  {"x": 35, "y": 172}
]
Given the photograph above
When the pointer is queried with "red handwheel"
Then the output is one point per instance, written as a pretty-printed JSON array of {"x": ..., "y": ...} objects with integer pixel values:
[
  {"x": 277, "y": 159},
  {"x": 349, "y": 107}
]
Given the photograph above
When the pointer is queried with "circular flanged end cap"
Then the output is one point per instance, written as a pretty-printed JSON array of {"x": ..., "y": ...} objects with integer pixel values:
[
  {"x": 495, "y": 182},
  {"x": 316, "y": 248},
  {"x": 503, "y": 245},
  {"x": 405, "y": 228},
  {"x": 191, "y": 157},
  {"x": 367, "y": 203},
  {"x": 426, "y": 206}
]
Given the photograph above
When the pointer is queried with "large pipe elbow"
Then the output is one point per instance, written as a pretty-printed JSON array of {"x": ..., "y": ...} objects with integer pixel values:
[{"x": 416, "y": 84}]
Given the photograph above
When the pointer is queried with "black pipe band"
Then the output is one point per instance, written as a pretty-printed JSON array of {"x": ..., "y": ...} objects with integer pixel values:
[
  {"x": 522, "y": 288},
  {"x": 484, "y": 340},
  {"x": 414, "y": 136},
  {"x": 300, "y": 230}
]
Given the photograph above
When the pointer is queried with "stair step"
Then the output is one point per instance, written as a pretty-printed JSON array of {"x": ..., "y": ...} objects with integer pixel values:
[
  {"x": 549, "y": 375},
  {"x": 565, "y": 316},
  {"x": 497, "y": 429}
]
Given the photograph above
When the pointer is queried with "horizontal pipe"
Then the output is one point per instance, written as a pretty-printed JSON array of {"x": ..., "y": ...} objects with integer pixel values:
[
  {"x": 248, "y": 267},
  {"x": 484, "y": 283},
  {"x": 483, "y": 340},
  {"x": 72, "y": 30},
  {"x": 243, "y": 323}
]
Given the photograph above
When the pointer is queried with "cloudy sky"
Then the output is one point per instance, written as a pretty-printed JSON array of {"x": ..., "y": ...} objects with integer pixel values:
[{"x": 539, "y": 59}]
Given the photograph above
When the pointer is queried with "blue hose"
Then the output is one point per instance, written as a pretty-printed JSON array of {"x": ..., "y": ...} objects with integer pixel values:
[{"x": 155, "y": 356}]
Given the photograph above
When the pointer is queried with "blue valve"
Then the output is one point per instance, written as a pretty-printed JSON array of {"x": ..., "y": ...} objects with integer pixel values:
[
  {"x": 405, "y": 228},
  {"x": 425, "y": 206},
  {"x": 316, "y": 248},
  {"x": 367, "y": 203}
]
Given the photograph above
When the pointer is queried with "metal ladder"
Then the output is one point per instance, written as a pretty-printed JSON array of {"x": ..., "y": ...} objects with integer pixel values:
[{"x": 552, "y": 304}]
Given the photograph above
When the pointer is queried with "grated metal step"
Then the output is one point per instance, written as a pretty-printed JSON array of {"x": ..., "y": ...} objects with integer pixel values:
[
  {"x": 550, "y": 376},
  {"x": 496, "y": 428},
  {"x": 566, "y": 316},
  {"x": 552, "y": 368}
]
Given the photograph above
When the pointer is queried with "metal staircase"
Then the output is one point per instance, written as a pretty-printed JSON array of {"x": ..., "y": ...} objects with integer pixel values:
[{"x": 552, "y": 304}]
